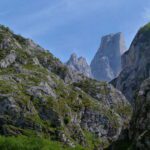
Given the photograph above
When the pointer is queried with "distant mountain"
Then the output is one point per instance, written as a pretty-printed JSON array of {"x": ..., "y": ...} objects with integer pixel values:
[
  {"x": 80, "y": 65},
  {"x": 106, "y": 64}
]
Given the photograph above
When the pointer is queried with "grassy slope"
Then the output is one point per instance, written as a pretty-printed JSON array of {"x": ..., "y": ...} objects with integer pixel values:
[{"x": 26, "y": 143}]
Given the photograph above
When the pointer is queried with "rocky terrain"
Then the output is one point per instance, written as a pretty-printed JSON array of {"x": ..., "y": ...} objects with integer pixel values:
[
  {"x": 135, "y": 64},
  {"x": 79, "y": 65},
  {"x": 134, "y": 82},
  {"x": 41, "y": 97},
  {"x": 140, "y": 123},
  {"x": 106, "y": 64}
]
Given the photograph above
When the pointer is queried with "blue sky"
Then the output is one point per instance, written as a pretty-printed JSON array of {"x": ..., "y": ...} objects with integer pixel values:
[{"x": 67, "y": 26}]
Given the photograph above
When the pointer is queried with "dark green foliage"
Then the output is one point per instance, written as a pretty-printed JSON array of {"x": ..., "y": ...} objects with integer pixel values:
[
  {"x": 121, "y": 145},
  {"x": 5, "y": 29},
  {"x": 66, "y": 120},
  {"x": 20, "y": 39},
  {"x": 145, "y": 32},
  {"x": 145, "y": 29}
]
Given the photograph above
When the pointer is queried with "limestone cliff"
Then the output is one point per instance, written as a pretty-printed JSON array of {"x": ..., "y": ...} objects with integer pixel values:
[
  {"x": 106, "y": 64},
  {"x": 79, "y": 65},
  {"x": 136, "y": 65},
  {"x": 134, "y": 82}
]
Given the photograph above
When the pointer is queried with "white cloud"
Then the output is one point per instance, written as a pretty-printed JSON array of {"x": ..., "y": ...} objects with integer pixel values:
[
  {"x": 60, "y": 13},
  {"x": 146, "y": 14}
]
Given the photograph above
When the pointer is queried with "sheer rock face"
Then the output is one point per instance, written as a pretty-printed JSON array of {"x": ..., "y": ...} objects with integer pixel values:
[
  {"x": 111, "y": 47},
  {"x": 136, "y": 65},
  {"x": 134, "y": 82},
  {"x": 80, "y": 65}
]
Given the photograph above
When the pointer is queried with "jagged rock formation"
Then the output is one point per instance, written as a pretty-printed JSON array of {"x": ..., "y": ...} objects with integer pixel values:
[
  {"x": 79, "y": 65},
  {"x": 134, "y": 82},
  {"x": 136, "y": 65},
  {"x": 39, "y": 96},
  {"x": 106, "y": 64}
]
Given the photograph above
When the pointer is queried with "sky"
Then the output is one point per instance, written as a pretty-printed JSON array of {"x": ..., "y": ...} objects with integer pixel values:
[{"x": 68, "y": 26}]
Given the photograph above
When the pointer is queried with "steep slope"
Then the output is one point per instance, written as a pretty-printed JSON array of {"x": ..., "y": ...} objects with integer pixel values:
[
  {"x": 79, "y": 65},
  {"x": 134, "y": 82},
  {"x": 136, "y": 65},
  {"x": 106, "y": 64},
  {"x": 137, "y": 135},
  {"x": 140, "y": 123},
  {"x": 39, "y": 96}
]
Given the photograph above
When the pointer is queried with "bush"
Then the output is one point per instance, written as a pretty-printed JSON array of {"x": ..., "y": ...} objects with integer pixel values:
[{"x": 66, "y": 120}]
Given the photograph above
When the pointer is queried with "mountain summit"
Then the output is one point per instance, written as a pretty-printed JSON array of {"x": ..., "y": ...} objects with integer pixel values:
[
  {"x": 106, "y": 64},
  {"x": 80, "y": 65}
]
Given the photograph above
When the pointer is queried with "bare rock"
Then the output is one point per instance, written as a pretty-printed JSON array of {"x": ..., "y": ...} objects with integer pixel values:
[{"x": 111, "y": 48}]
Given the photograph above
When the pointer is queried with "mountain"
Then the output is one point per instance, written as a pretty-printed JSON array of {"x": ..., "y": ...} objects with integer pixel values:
[
  {"x": 134, "y": 82},
  {"x": 79, "y": 65},
  {"x": 141, "y": 118},
  {"x": 135, "y": 64},
  {"x": 44, "y": 103},
  {"x": 106, "y": 64}
]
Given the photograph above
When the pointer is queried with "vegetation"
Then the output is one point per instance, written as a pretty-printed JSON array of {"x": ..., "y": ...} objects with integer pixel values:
[
  {"x": 38, "y": 102},
  {"x": 32, "y": 143},
  {"x": 145, "y": 31}
]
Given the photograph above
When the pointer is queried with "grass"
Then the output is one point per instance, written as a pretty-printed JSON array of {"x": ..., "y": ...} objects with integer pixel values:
[{"x": 26, "y": 143}]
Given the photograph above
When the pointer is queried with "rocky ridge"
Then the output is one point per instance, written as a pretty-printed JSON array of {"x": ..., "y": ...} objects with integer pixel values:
[
  {"x": 135, "y": 65},
  {"x": 79, "y": 65},
  {"x": 134, "y": 82},
  {"x": 40, "y": 96}
]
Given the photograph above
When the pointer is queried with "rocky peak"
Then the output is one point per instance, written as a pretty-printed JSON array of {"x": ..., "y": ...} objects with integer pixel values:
[
  {"x": 73, "y": 58},
  {"x": 111, "y": 47},
  {"x": 134, "y": 82},
  {"x": 79, "y": 64},
  {"x": 136, "y": 64}
]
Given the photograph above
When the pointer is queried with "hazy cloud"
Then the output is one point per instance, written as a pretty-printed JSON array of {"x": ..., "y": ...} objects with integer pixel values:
[
  {"x": 146, "y": 14},
  {"x": 61, "y": 13}
]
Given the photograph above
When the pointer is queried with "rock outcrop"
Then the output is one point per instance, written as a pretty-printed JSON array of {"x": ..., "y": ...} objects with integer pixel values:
[
  {"x": 8, "y": 60},
  {"x": 40, "y": 96},
  {"x": 106, "y": 64},
  {"x": 140, "y": 123},
  {"x": 136, "y": 65},
  {"x": 134, "y": 82},
  {"x": 79, "y": 65}
]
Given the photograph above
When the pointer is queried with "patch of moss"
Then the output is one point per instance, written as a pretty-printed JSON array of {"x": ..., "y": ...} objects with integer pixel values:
[
  {"x": 6, "y": 87},
  {"x": 93, "y": 141}
]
